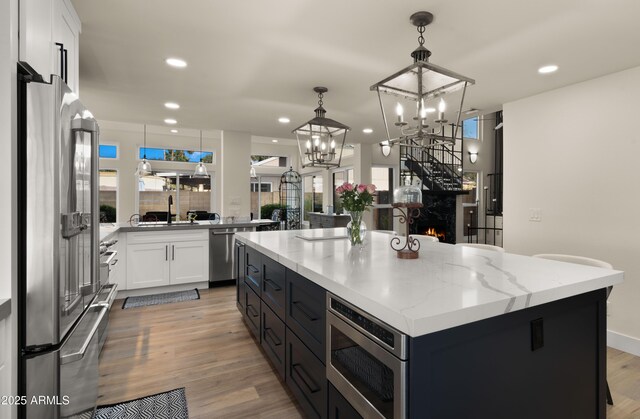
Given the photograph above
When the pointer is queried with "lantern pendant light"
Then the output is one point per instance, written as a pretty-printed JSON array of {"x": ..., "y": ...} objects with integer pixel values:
[
  {"x": 321, "y": 139},
  {"x": 144, "y": 167},
  {"x": 201, "y": 170}
]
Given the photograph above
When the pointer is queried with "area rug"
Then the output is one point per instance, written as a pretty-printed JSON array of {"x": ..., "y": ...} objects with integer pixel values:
[
  {"x": 170, "y": 405},
  {"x": 165, "y": 298}
]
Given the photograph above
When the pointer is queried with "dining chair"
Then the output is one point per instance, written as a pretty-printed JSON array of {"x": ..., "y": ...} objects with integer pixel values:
[
  {"x": 582, "y": 260},
  {"x": 482, "y": 246}
]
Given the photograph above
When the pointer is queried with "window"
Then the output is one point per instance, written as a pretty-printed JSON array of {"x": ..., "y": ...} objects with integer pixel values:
[
  {"x": 189, "y": 194},
  {"x": 264, "y": 194},
  {"x": 108, "y": 195},
  {"x": 168, "y": 154},
  {"x": 262, "y": 186},
  {"x": 268, "y": 161},
  {"x": 470, "y": 128},
  {"x": 108, "y": 151},
  {"x": 382, "y": 177},
  {"x": 470, "y": 202},
  {"x": 338, "y": 179},
  {"x": 312, "y": 189}
]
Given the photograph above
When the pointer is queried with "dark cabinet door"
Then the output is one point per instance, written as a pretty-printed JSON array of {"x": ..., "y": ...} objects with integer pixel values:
[
  {"x": 252, "y": 312},
  {"x": 273, "y": 339},
  {"x": 239, "y": 272},
  {"x": 306, "y": 312},
  {"x": 339, "y": 407},
  {"x": 273, "y": 285},
  {"x": 253, "y": 269},
  {"x": 306, "y": 377}
]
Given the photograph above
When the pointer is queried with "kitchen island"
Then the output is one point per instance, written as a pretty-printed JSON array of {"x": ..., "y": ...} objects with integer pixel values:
[{"x": 488, "y": 334}]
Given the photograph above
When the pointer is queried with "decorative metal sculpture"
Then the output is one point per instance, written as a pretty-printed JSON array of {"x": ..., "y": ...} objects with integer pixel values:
[
  {"x": 408, "y": 212},
  {"x": 290, "y": 199}
]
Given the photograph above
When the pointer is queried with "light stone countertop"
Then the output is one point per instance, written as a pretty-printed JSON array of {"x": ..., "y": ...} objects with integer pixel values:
[
  {"x": 446, "y": 286},
  {"x": 107, "y": 229}
]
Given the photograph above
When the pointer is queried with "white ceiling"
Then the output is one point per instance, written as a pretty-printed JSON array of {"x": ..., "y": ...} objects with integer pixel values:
[{"x": 252, "y": 61}]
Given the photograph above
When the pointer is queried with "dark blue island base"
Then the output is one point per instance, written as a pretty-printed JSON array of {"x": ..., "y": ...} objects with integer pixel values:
[{"x": 546, "y": 361}]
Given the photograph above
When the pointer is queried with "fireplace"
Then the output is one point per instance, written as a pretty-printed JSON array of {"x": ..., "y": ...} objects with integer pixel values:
[{"x": 437, "y": 217}]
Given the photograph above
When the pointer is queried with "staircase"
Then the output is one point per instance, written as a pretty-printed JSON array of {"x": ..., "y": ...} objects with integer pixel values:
[{"x": 439, "y": 168}]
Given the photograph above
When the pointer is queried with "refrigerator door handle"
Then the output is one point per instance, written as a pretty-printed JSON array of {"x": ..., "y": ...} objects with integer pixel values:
[
  {"x": 75, "y": 356},
  {"x": 87, "y": 124}
]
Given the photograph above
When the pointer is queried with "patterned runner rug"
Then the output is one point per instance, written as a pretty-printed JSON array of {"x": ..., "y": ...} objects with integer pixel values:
[
  {"x": 168, "y": 405},
  {"x": 168, "y": 297}
]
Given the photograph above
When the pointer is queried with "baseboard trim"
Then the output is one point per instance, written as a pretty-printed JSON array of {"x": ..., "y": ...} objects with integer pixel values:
[{"x": 623, "y": 343}]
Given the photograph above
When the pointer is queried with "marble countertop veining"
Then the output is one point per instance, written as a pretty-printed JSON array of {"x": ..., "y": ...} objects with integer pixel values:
[{"x": 446, "y": 286}]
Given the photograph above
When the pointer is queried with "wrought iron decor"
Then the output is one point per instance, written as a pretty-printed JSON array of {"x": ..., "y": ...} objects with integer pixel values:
[
  {"x": 408, "y": 212},
  {"x": 290, "y": 199}
]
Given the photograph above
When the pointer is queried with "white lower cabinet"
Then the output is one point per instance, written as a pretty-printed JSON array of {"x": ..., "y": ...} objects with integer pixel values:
[
  {"x": 159, "y": 259},
  {"x": 189, "y": 262},
  {"x": 147, "y": 265}
]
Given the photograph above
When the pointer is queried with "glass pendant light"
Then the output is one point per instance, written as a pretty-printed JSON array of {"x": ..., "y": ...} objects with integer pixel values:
[
  {"x": 201, "y": 170},
  {"x": 144, "y": 167}
]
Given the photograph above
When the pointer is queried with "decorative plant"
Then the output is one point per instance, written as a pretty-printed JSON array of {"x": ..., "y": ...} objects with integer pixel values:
[{"x": 356, "y": 197}]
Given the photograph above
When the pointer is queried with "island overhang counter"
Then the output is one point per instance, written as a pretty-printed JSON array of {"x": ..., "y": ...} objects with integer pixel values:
[{"x": 494, "y": 330}]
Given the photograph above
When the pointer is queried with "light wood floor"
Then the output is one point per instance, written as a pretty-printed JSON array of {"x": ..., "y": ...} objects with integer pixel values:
[{"x": 204, "y": 346}]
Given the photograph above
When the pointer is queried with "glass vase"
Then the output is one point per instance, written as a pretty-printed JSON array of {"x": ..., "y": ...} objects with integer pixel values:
[{"x": 356, "y": 229}]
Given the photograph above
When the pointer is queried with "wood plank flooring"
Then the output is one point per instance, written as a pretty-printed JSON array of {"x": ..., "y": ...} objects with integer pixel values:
[{"x": 204, "y": 346}]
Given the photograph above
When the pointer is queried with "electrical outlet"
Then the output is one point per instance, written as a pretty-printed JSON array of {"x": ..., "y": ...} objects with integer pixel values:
[{"x": 535, "y": 214}]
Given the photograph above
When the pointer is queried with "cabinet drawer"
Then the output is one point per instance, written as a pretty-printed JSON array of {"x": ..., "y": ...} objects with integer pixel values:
[
  {"x": 339, "y": 407},
  {"x": 253, "y": 269},
  {"x": 273, "y": 338},
  {"x": 306, "y": 377},
  {"x": 306, "y": 312},
  {"x": 252, "y": 312},
  {"x": 273, "y": 285}
]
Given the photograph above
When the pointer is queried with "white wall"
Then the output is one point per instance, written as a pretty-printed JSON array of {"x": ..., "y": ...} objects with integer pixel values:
[
  {"x": 130, "y": 137},
  {"x": 235, "y": 165},
  {"x": 572, "y": 153},
  {"x": 8, "y": 289}
]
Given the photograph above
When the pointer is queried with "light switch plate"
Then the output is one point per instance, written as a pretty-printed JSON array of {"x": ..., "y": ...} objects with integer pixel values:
[{"x": 535, "y": 214}]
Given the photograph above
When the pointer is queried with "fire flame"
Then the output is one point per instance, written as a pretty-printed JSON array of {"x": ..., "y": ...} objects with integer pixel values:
[{"x": 432, "y": 232}]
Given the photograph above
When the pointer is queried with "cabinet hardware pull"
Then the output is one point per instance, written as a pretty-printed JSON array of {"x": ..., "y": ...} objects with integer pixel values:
[
  {"x": 272, "y": 284},
  {"x": 253, "y": 269},
  {"x": 268, "y": 333},
  {"x": 173, "y": 252},
  {"x": 166, "y": 252},
  {"x": 66, "y": 72},
  {"x": 253, "y": 313},
  {"x": 304, "y": 310},
  {"x": 301, "y": 372}
]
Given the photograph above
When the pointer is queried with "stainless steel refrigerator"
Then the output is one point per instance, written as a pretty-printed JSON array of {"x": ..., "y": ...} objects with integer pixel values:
[{"x": 58, "y": 264}]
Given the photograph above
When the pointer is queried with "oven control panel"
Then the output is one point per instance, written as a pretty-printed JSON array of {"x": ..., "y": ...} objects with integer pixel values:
[{"x": 375, "y": 329}]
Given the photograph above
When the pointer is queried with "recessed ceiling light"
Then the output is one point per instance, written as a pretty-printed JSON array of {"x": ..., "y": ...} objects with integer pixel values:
[
  {"x": 367, "y": 130},
  {"x": 274, "y": 141},
  {"x": 284, "y": 120},
  {"x": 171, "y": 105},
  {"x": 470, "y": 111},
  {"x": 547, "y": 69},
  {"x": 176, "y": 62},
  {"x": 170, "y": 121},
  {"x": 175, "y": 131},
  {"x": 430, "y": 110}
]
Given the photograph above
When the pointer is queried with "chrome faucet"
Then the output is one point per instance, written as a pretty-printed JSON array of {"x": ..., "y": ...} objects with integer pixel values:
[{"x": 170, "y": 200}]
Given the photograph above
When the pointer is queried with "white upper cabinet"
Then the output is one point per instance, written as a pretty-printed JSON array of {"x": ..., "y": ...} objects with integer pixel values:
[
  {"x": 66, "y": 31},
  {"x": 43, "y": 25}
]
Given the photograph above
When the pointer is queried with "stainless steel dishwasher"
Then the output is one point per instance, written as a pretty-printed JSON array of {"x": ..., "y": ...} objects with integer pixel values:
[{"x": 222, "y": 253}]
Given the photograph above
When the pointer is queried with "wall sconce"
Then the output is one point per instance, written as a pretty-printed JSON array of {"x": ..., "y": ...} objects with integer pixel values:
[{"x": 473, "y": 157}]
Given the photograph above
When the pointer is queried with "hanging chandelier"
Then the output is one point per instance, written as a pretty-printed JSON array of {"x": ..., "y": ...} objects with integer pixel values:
[
  {"x": 201, "y": 170},
  {"x": 321, "y": 140},
  {"x": 422, "y": 87},
  {"x": 144, "y": 167}
]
